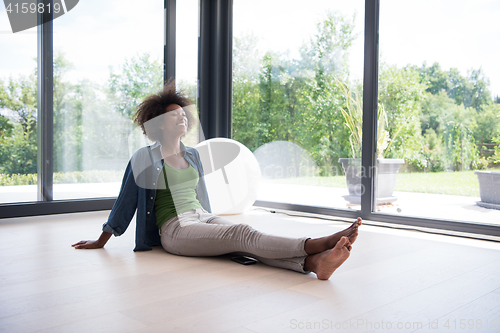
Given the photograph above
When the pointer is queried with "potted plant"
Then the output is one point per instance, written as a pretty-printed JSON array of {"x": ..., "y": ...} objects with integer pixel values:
[
  {"x": 489, "y": 182},
  {"x": 387, "y": 168},
  {"x": 489, "y": 189}
]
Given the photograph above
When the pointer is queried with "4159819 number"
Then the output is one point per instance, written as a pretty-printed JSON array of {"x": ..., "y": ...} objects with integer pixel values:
[{"x": 25, "y": 8}]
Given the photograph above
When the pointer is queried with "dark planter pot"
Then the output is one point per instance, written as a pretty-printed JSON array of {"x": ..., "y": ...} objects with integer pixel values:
[
  {"x": 489, "y": 189},
  {"x": 387, "y": 170}
]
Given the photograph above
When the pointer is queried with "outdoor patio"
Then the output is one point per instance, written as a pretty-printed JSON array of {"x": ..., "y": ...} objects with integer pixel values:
[{"x": 436, "y": 206}]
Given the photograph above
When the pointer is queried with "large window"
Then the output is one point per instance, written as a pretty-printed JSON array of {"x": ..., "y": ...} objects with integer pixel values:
[
  {"x": 186, "y": 49},
  {"x": 305, "y": 81},
  {"x": 297, "y": 77},
  {"x": 106, "y": 59},
  {"x": 439, "y": 82},
  {"x": 105, "y": 63},
  {"x": 18, "y": 113}
]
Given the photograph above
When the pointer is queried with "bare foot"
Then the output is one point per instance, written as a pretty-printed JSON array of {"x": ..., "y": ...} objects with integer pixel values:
[
  {"x": 326, "y": 262},
  {"x": 318, "y": 245},
  {"x": 350, "y": 232}
]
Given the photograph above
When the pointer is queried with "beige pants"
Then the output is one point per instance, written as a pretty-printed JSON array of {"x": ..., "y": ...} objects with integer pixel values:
[{"x": 198, "y": 233}]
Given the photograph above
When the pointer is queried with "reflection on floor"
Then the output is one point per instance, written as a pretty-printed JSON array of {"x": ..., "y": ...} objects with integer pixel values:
[{"x": 408, "y": 281}]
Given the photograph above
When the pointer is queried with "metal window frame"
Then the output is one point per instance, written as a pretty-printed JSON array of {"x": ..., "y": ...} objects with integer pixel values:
[
  {"x": 45, "y": 121},
  {"x": 169, "y": 41},
  {"x": 215, "y": 61},
  {"x": 23, "y": 209}
]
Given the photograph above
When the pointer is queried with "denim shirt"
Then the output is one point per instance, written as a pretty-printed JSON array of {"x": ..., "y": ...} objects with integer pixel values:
[{"x": 138, "y": 192}]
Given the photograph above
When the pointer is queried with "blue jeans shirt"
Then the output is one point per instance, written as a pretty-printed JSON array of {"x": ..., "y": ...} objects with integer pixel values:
[{"x": 138, "y": 192}]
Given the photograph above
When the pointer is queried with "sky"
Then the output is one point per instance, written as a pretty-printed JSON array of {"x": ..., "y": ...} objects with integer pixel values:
[{"x": 98, "y": 34}]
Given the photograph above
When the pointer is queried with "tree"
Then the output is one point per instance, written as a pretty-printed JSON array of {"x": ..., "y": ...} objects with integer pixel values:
[
  {"x": 326, "y": 56},
  {"x": 20, "y": 98},
  {"x": 480, "y": 94},
  {"x": 246, "y": 126},
  {"x": 136, "y": 79},
  {"x": 434, "y": 107},
  {"x": 435, "y": 79},
  {"x": 5, "y": 127},
  {"x": 18, "y": 142},
  {"x": 328, "y": 50},
  {"x": 67, "y": 118},
  {"x": 400, "y": 92},
  {"x": 488, "y": 123}
]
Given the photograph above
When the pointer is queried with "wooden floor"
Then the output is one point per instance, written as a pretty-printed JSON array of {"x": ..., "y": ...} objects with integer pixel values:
[{"x": 399, "y": 281}]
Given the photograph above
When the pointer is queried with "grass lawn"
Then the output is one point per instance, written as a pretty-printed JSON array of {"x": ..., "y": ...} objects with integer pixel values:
[{"x": 453, "y": 183}]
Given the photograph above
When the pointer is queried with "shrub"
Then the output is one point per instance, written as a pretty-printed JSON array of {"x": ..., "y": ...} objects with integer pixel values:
[
  {"x": 495, "y": 158},
  {"x": 90, "y": 176},
  {"x": 480, "y": 164}
]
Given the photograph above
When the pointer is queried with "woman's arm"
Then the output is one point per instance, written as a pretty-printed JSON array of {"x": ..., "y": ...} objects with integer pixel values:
[
  {"x": 93, "y": 244},
  {"x": 122, "y": 212}
]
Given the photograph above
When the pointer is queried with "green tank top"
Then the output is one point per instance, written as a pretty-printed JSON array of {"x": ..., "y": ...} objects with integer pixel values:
[{"x": 179, "y": 195}]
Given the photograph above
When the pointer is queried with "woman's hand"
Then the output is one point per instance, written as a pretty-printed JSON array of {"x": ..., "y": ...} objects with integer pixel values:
[
  {"x": 93, "y": 244},
  {"x": 87, "y": 244}
]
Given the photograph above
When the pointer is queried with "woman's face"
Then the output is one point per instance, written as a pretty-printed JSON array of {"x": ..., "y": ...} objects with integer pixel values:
[{"x": 175, "y": 120}]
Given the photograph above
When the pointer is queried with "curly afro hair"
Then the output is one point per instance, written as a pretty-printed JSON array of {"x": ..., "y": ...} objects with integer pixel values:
[{"x": 155, "y": 105}]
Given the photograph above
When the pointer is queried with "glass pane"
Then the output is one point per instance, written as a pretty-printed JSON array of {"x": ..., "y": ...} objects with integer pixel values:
[
  {"x": 297, "y": 81},
  {"x": 105, "y": 62},
  {"x": 186, "y": 56},
  {"x": 439, "y": 111},
  {"x": 18, "y": 98}
]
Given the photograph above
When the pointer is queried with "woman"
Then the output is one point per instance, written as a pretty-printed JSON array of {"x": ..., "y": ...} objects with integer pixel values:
[{"x": 164, "y": 183}]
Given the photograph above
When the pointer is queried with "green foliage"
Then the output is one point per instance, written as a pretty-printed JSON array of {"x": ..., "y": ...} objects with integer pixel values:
[
  {"x": 136, "y": 79},
  {"x": 487, "y": 123},
  {"x": 90, "y": 176},
  {"x": 433, "y": 152},
  {"x": 328, "y": 138},
  {"x": 307, "y": 101},
  {"x": 461, "y": 149},
  {"x": 5, "y": 127},
  {"x": 471, "y": 90},
  {"x": 278, "y": 98},
  {"x": 449, "y": 183},
  {"x": 20, "y": 97},
  {"x": 400, "y": 91},
  {"x": 435, "y": 107},
  {"x": 328, "y": 50},
  {"x": 18, "y": 179},
  {"x": 18, "y": 152},
  {"x": 353, "y": 116},
  {"x": 18, "y": 140},
  {"x": 480, "y": 164},
  {"x": 89, "y": 133},
  {"x": 495, "y": 158}
]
